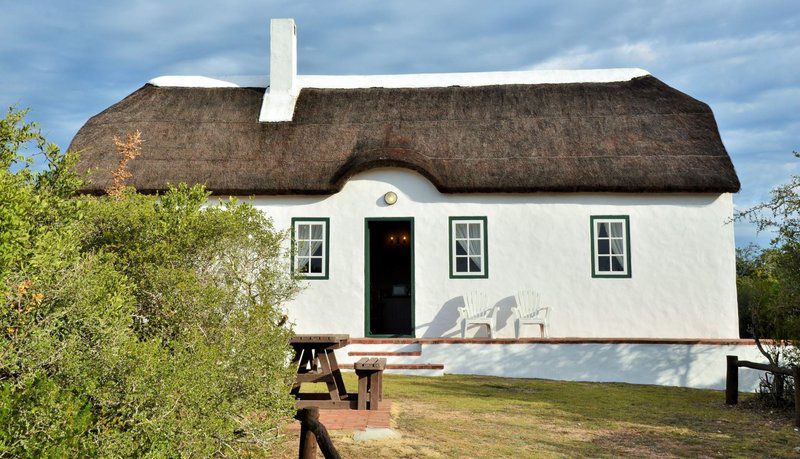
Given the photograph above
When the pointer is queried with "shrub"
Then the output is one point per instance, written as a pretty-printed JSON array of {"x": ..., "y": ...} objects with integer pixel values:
[
  {"x": 58, "y": 428},
  {"x": 768, "y": 284},
  {"x": 135, "y": 325}
]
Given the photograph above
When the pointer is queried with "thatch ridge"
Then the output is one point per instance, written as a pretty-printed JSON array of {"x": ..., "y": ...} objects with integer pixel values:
[{"x": 634, "y": 136}]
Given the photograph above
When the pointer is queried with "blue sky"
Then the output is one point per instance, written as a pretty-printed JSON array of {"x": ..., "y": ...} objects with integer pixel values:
[{"x": 68, "y": 60}]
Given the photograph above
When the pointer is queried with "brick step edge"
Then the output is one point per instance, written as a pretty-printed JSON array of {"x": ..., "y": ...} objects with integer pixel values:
[
  {"x": 574, "y": 340},
  {"x": 385, "y": 354},
  {"x": 403, "y": 366}
]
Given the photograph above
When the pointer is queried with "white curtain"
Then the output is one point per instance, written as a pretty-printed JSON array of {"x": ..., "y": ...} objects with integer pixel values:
[
  {"x": 475, "y": 247},
  {"x": 617, "y": 246}
]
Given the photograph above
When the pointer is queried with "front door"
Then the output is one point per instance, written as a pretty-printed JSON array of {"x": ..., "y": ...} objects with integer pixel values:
[{"x": 389, "y": 276}]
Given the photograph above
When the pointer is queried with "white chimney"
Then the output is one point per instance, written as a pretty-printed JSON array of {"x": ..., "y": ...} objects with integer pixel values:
[
  {"x": 279, "y": 99},
  {"x": 282, "y": 54}
]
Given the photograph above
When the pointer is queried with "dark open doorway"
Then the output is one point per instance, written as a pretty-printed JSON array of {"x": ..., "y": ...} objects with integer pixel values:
[{"x": 389, "y": 276}]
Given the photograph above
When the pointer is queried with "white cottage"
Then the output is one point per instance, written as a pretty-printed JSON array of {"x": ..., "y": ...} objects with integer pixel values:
[{"x": 606, "y": 191}]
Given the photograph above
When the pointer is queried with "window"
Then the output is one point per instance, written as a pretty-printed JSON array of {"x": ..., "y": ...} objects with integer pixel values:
[
  {"x": 310, "y": 247},
  {"x": 611, "y": 246},
  {"x": 468, "y": 247}
]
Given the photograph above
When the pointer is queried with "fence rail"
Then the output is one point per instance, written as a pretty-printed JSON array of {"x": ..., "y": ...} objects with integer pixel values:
[{"x": 732, "y": 381}]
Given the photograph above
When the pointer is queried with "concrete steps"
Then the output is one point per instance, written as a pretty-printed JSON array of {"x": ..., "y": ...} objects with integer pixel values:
[
  {"x": 411, "y": 369},
  {"x": 405, "y": 358},
  {"x": 385, "y": 354}
]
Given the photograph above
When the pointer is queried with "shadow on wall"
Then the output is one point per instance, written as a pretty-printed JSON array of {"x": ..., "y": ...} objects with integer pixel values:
[
  {"x": 445, "y": 323},
  {"x": 504, "y": 314},
  {"x": 698, "y": 366}
]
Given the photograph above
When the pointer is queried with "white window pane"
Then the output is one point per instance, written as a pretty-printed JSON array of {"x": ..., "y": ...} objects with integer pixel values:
[
  {"x": 469, "y": 253},
  {"x": 461, "y": 264},
  {"x": 474, "y": 264},
  {"x": 617, "y": 246},
  {"x": 474, "y": 230},
  {"x": 302, "y": 231},
  {"x": 316, "y": 266},
  {"x": 302, "y": 248},
  {"x": 611, "y": 246},
  {"x": 461, "y": 247},
  {"x": 475, "y": 247},
  {"x": 310, "y": 242},
  {"x": 603, "y": 264},
  {"x": 302, "y": 265},
  {"x": 315, "y": 248},
  {"x": 617, "y": 264}
]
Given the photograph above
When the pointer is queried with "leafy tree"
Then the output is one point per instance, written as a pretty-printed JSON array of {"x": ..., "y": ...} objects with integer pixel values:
[
  {"x": 135, "y": 325},
  {"x": 769, "y": 281}
]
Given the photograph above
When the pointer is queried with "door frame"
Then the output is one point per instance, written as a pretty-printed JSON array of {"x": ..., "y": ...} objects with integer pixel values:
[{"x": 367, "y": 332}]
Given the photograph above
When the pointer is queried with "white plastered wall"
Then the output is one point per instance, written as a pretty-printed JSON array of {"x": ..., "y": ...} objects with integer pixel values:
[
  {"x": 682, "y": 259},
  {"x": 701, "y": 366}
]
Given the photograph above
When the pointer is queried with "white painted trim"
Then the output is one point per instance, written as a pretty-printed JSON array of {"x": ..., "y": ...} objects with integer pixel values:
[
  {"x": 625, "y": 244},
  {"x": 411, "y": 80},
  {"x": 296, "y": 256},
  {"x": 197, "y": 81},
  {"x": 439, "y": 80},
  {"x": 481, "y": 240}
]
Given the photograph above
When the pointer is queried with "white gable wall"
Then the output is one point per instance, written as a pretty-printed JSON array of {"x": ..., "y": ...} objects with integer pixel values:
[{"x": 682, "y": 259}]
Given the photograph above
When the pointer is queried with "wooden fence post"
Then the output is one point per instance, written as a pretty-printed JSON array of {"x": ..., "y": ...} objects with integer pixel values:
[
  {"x": 796, "y": 375},
  {"x": 313, "y": 434},
  {"x": 732, "y": 381},
  {"x": 308, "y": 441}
]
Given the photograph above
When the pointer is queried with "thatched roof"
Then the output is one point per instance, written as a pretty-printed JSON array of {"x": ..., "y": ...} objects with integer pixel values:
[{"x": 627, "y": 136}]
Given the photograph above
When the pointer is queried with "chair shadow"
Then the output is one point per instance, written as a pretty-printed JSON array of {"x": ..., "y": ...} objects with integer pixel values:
[
  {"x": 445, "y": 323},
  {"x": 504, "y": 316}
]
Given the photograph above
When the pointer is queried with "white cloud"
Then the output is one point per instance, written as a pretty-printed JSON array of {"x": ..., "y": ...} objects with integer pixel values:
[
  {"x": 638, "y": 55},
  {"x": 69, "y": 59}
]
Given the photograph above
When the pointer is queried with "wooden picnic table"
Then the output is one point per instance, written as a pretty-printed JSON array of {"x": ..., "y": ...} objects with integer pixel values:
[{"x": 316, "y": 362}]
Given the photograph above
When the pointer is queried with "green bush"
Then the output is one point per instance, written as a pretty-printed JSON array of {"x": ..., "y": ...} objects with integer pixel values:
[
  {"x": 59, "y": 427},
  {"x": 135, "y": 325},
  {"x": 768, "y": 282}
]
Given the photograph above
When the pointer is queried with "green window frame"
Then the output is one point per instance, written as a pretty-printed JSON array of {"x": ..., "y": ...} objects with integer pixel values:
[
  {"x": 310, "y": 252},
  {"x": 469, "y": 247},
  {"x": 611, "y": 246}
]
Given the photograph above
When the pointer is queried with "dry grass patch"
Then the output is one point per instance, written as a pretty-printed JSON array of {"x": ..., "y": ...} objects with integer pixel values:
[{"x": 476, "y": 416}]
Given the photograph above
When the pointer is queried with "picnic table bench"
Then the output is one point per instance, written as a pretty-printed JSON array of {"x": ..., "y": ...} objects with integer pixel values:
[
  {"x": 370, "y": 382},
  {"x": 316, "y": 363}
]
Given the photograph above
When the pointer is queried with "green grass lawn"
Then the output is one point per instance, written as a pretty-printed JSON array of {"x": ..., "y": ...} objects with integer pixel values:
[{"x": 476, "y": 416}]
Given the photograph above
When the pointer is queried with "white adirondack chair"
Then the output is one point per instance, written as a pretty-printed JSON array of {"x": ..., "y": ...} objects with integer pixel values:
[
  {"x": 476, "y": 311},
  {"x": 529, "y": 311}
]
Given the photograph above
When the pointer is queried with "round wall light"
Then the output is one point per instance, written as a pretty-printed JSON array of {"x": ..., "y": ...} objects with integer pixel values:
[{"x": 390, "y": 198}]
